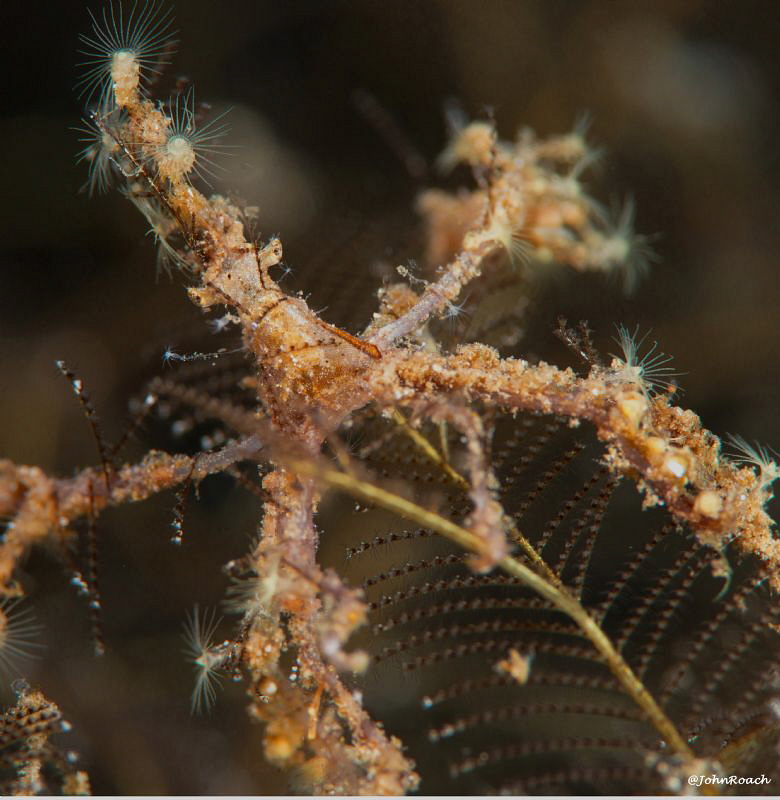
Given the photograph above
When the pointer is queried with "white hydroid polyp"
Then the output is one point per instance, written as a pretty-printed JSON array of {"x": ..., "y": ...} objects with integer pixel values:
[
  {"x": 651, "y": 370},
  {"x": 100, "y": 151},
  {"x": 198, "y": 634},
  {"x": 755, "y": 455},
  {"x": 189, "y": 149},
  {"x": 18, "y": 634},
  {"x": 124, "y": 49},
  {"x": 629, "y": 252}
]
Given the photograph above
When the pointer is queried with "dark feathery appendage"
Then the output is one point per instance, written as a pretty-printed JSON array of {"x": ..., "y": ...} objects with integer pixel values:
[
  {"x": 89, "y": 412},
  {"x": 546, "y": 478},
  {"x": 456, "y": 582},
  {"x": 438, "y": 631},
  {"x": 582, "y": 564},
  {"x": 455, "y": 632},
  {"x": 626, "y": 575},
  {"x": 93, "y": 582},
  {"x": 477, "y": 603},
  {"x": 705, "y": 636},
  {"x": 411, "y": 568},
  {"x": 687, "y": 560},
  {"x": 589, "y": 521},
  {"x": 379, "y": 541},
  {"x": 555, "y": 523}
]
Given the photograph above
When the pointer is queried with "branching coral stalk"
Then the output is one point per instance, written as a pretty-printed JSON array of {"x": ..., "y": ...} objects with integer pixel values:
[{"x": 311, "y": 377}]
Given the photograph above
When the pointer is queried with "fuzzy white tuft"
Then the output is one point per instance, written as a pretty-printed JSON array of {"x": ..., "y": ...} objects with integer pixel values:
[
  {"x": 630, "y": 253},
  {"x": 189, "y": 149},
  {"x": 756, "y": 456},
  {"x": 18, "y": 633},
  {"x": 206, "y": 658},
  {"x": 650, "y": 371},
  {"x": 100, "y": 151},
  {"x": 123, "y": 50}
]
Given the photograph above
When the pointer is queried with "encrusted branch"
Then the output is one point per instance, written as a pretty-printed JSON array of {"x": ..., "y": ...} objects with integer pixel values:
[
  {"x": 40, "y": 506},
  {"x": 664, "y": 448}
]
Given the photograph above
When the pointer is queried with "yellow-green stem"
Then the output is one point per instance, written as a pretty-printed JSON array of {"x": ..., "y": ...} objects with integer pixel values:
[{"x": 557, "y": 595}]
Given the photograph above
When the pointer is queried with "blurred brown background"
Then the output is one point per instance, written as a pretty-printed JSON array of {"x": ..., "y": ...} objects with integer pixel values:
[{"x": 684, "y": 96}]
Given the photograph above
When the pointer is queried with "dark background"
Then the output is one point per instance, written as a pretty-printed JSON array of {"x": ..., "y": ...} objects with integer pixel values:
[{"x": 684, "y": 96}]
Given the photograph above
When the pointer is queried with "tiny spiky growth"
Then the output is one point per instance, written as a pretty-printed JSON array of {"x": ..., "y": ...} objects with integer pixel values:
[
  {"x": 471, "y": 144},
  {"x": 619, "y": 248},
  {"x": 188, "y": 149},
  {"x": 755, "y": 455},
  {"x": 630, "y": 252},
  {"x": 246, "y": 595},
  {"x": 18, "y": 632},
  {"x": 651, "y": 370},
  {"x": 517, "y": 247},
  {"x": 100, "y": 151},
  {"x": 123, "y": 50},
  {"x": 199, "y": 648},
  {"x": 582, "y": 154},
  {"x": 163, "y": 229}
]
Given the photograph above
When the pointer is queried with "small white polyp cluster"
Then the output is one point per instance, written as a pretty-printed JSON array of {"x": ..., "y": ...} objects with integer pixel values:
[
  {"x": 122, "y": 49},
  {"x": 124, "y": 52},
  {"x": 186, "y": 148},
  {"x": 176, "y": 157}
]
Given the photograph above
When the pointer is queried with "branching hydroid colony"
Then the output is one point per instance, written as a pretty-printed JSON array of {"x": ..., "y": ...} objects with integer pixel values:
[{"x": 313, "y": 381}]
